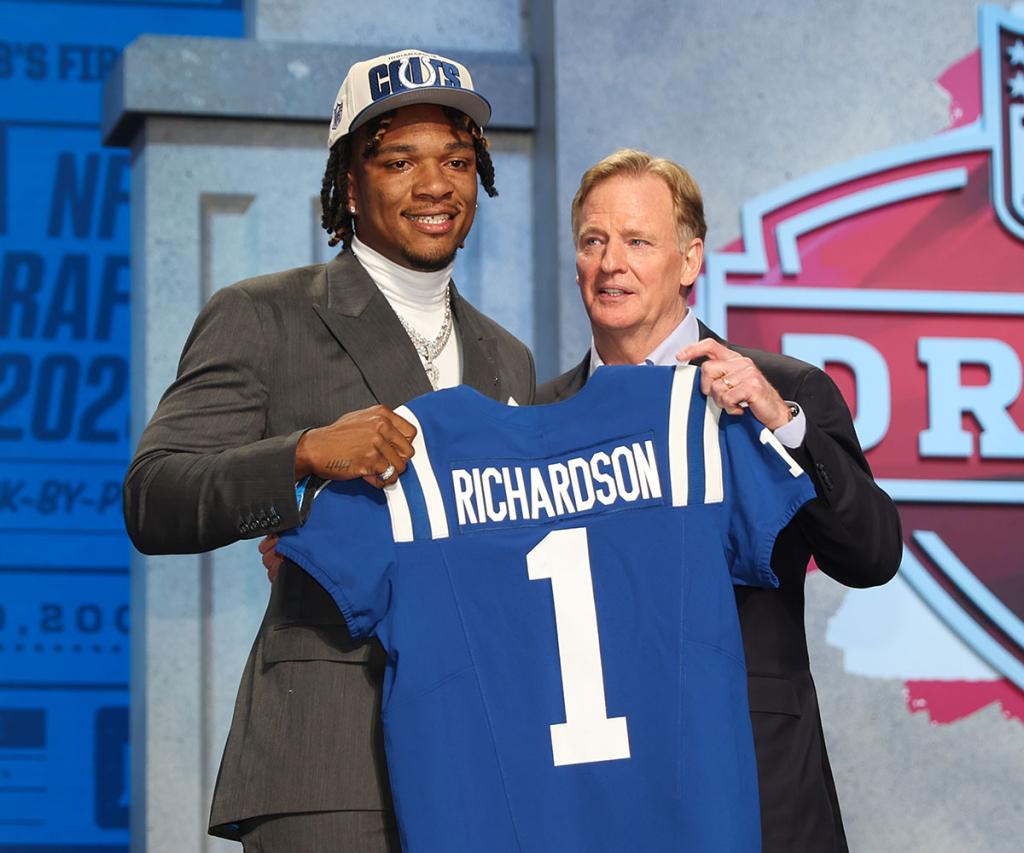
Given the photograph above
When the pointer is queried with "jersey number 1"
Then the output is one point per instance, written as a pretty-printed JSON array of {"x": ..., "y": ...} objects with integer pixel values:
[{"x": 588, "y": 734}]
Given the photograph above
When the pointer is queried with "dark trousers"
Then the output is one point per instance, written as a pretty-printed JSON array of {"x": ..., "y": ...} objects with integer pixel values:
[{"x": 321, "y": 832}]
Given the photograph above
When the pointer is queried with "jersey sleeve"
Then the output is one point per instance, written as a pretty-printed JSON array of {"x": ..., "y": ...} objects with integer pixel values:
[
  {"x": 764, "y": 487},
  {"x": 347, "y": 545}
]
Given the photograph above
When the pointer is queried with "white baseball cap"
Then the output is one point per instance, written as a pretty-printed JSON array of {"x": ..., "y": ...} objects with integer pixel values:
[{"x": 398, "y": 79}]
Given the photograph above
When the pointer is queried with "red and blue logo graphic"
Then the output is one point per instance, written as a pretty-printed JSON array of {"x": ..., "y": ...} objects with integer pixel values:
[{"x": 902, "y": 273}]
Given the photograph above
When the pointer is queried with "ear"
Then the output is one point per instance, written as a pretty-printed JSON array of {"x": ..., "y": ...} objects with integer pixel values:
[
  {"x": 351, "y": 201},
  {"x": 693, "y": 258}
]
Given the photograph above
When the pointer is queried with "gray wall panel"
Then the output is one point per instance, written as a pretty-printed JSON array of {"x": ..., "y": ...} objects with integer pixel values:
[
  {"x": 467, "y": 24},
  {"x": 746, "y": 95}
]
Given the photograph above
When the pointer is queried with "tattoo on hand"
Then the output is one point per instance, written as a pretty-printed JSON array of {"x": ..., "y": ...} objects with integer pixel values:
[{"x": 338, "y": 464}]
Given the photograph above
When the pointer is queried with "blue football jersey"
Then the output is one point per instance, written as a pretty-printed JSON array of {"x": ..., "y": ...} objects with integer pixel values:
[{"x": 553, "y": 587}]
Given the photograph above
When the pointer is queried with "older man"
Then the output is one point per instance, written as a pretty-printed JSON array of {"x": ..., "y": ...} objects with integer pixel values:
[
  {"x": 638, "y": 223},
  {"x": 270, "y": 366}
]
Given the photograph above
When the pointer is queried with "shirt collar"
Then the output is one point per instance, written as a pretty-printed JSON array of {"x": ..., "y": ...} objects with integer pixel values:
[
  {"x": 416, "y": 288},
  {"x": 686, "y": 333}
]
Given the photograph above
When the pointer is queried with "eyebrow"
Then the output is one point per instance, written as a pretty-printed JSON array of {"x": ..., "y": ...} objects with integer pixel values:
[
  {"x": 591, "y": 230},
  {"x": 399, "y": 148},
  {"x": 631, "y": 233},
  {"x": 628, "y": 234}
]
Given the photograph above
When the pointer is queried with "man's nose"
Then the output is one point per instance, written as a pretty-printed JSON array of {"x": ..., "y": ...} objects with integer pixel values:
[
  {"x": 614, "y": 257},
  {"x": 433, "y": 181}
]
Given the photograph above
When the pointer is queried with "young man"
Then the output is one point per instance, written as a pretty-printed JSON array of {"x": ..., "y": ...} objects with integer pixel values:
[
  {"x": 293, "y": 375},
  {"x": 638, "y": 222}
]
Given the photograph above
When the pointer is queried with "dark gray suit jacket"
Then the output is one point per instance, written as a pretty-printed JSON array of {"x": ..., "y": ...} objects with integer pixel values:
[
  {"x": 853, "y": 531},
  {"x": 268, "y": 358}
]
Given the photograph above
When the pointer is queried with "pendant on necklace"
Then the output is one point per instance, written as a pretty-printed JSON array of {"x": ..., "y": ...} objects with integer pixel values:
[{"x": 432, "y": 373}]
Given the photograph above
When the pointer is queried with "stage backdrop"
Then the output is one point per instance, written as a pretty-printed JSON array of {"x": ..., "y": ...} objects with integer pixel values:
[
  {"x": 863, "y": 167},
  {"x": 64, "y": 444}
]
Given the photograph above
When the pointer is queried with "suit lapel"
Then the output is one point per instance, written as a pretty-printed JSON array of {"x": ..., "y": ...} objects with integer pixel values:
[
  {"x": 363, "y": 322},
  {"x": 574, "y": 380},
  {"x": 705, "y": 332},
  {"x": 479, "y": 351}
]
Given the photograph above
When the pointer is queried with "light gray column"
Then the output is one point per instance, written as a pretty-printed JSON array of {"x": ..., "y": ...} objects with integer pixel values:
[
  {"x": 215, "y": 201},
  {"x": 550, "y": 229}
]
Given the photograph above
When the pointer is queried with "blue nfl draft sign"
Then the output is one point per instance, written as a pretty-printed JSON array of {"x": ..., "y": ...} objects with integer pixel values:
[
  {"x": 902, "y": 274},
  {"x": 64, "y": 327}
]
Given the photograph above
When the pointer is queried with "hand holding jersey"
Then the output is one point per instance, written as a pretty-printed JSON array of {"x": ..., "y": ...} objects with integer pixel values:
[
  {"x": 371, "y": 443},
  {"x": 270, "y": 558},
  {"x": 735, "y": 383}
]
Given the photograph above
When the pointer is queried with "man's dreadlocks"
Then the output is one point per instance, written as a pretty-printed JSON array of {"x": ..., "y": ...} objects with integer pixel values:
[{"x": 336, "y": 218}]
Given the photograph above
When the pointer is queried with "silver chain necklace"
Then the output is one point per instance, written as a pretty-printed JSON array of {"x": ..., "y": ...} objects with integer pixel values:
[{"x": 429, "y": 350}]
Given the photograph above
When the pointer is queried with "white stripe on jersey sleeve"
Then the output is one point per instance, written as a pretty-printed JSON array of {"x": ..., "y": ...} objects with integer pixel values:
[
  {"x": 428, "y": 482},
  {"x": 714, "y": 490},
  {"x": 768, "y": 437},
  {"x": 398, "y": 507},
  {"x": 678, "y": 421}
]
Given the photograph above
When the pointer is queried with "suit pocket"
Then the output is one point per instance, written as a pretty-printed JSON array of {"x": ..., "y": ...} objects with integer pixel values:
[
  {"x": 293, "y": 642},
  {"x": 770, "y": 695}
]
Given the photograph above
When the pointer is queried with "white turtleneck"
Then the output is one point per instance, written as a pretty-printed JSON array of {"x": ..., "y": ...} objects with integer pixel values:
[{"x": 418, "y": 298}]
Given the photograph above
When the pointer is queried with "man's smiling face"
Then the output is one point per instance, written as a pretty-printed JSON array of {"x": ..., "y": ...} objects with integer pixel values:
[{"x": 415, "y": 197}]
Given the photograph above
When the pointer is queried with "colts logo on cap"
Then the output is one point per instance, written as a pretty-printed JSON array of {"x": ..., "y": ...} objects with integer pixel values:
[
  {"x": 412, "y": 72},
  {"x": 336, "y": 120}
]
